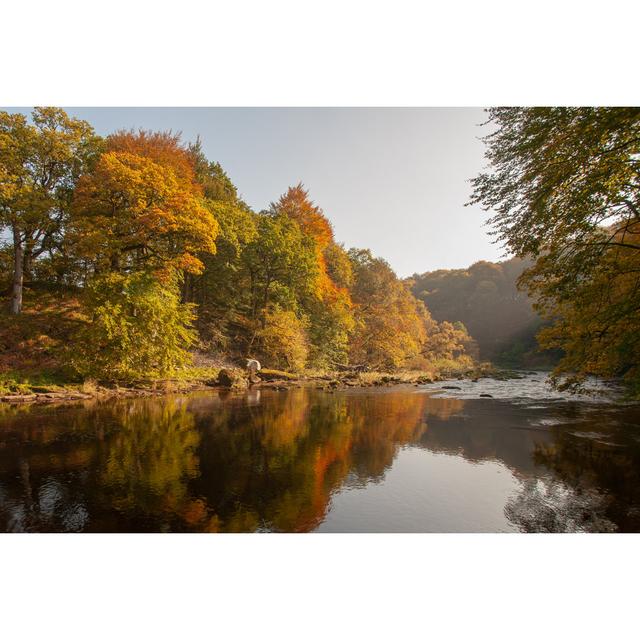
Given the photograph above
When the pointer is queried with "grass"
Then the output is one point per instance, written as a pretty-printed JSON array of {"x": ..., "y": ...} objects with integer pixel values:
[{"x": 33, "y": 382}]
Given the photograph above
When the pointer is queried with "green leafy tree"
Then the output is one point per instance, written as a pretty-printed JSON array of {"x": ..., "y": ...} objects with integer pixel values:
[
  {"x": 281, "y": 266},
  {"x": 328, "y": 305},
  {"x": 137, "y": 328},
  {"x": 221, "y": 290},
  {"x": 39, "y": 166}
]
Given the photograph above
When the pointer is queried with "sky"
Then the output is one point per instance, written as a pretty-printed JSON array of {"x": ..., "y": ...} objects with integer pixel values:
[{"x": 394, "y": 180}]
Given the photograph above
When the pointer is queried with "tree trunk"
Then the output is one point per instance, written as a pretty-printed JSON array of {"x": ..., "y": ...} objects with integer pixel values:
[
  {"x": 187, "y": 288},
  {"x": 18, "y": 277},
  {"x": 28, "y": 265}
]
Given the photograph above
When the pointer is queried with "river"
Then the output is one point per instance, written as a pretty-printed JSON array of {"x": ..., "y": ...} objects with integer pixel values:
[{"x": 402, "y": 458}]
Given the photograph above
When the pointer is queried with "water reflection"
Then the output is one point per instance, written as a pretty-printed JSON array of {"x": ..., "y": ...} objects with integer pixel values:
[{"x": 296, "y": 461}]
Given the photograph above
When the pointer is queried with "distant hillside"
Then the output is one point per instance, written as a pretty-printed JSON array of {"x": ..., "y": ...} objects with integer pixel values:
[{"x": 486, "y": 299}]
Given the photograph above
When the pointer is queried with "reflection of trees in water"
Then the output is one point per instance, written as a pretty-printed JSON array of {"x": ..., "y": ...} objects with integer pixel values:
[
  {"x": 607, "y": 465},
  {"x": 384, "y": 422},
  {"x": 546, "y": 506},
  {"x": 272, "y": 461},
  {"x": 35, "y": 457},
  {"x": 148, "y": 461},
  {"x": 95, "y": 466},
  {"x": 51, "y": 507},
  {"x": 478, "y": 430},
  {"x": 275, "y": 467},
  {"x": 569, "y": 482}
]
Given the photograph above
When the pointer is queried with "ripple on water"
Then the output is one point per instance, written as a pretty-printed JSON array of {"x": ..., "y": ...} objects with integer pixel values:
[{"x": 527, "y": 387}]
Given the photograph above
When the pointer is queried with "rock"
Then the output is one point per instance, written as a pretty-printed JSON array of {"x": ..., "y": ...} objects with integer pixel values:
[
  {"x": 486, "y": 395},
  {"x": 232, "y": 379},
  {"x": 450, "y": 386}
]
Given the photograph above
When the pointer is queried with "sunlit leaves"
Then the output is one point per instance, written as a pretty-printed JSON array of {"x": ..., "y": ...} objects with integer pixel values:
[
  {"x": 136, "y": 329},
  {"x": 565, "y": 188},
  {"x": 141, "y": 208}
]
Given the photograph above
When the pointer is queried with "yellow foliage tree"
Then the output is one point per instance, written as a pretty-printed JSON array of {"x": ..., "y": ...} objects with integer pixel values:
[
  {"x": 141, "y": 208},
  {"x": 283, "y": 339}
]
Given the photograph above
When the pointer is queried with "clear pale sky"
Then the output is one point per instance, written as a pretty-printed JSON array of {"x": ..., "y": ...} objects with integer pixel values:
[{"x": 392, "y": 180}]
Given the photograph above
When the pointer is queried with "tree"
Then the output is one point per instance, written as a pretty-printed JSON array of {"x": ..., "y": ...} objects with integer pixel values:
[
  {"x": 329, "y": 305},
  {"x": 391, "y": 325},
  {"x": 137, "y": 328},
  {"x": 221, "y": 289},
  {"x": 281, "y": 264},
  {"x": 141, "y": 208},
  {"x": 39, "y": 166},
  {"x": 282, "y": 340},
  {"x": 448, "y": 341},
  {"x": 564, "y": 186}
]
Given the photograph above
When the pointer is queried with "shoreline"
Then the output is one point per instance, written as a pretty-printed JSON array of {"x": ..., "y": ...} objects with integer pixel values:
[{"x": 238, "y": 382}]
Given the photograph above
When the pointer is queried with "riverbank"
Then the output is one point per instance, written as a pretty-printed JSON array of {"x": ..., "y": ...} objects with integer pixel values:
[{"x": 48, "y": 389}]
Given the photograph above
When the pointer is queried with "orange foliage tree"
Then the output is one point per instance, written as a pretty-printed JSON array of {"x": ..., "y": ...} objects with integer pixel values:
[
  {"x": 329, "y": 308},
  {"x": 141, "y": 207}
]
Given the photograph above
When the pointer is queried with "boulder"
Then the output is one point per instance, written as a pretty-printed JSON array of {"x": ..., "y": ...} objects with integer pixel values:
[{"x": 232, "y": 379}]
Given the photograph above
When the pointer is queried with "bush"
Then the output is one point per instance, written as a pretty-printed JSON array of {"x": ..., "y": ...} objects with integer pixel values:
[{"x": 138, "y": 329}]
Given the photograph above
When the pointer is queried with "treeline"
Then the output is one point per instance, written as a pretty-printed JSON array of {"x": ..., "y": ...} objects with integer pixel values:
[
  {"x": 497, "y": 313},
  {"x": 152, "y": 241}
]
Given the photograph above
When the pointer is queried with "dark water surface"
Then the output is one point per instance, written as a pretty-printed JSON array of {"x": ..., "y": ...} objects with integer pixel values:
[{"x": 366, "y": 460}]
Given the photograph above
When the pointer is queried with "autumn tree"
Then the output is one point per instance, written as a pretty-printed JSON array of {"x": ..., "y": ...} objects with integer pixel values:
[
  {"x": 282, "y": 339},
  {"x": 141, "y": 207},
  {"x": 140, "y": 217},
  {"x": 449, "y": 341},
  {"x": 391, "y": 324},
  {"x": 328, "y": 306},
  {"x": 136, "y": 328},
  {"x": 39, "y": 165},
  {"x": 564, "y": 188}
]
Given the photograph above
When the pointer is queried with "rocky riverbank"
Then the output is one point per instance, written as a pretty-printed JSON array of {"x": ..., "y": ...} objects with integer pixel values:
[{"x": 237, "y": 380}]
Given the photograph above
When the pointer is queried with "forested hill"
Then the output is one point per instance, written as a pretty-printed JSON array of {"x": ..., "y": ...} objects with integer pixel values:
[{"x": 486, "y": 300}]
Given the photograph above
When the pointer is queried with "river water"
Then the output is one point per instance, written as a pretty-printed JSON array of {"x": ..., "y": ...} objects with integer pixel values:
[{"x": 404, "y": 458}]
